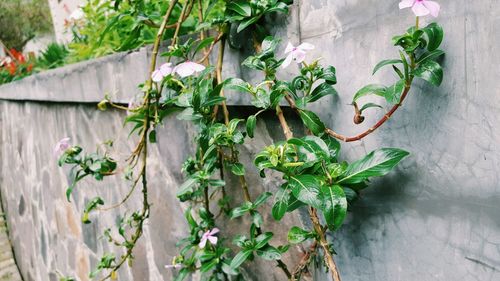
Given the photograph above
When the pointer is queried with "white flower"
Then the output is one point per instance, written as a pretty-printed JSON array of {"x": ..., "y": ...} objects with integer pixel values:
[
  {"x": 298, "y": 54},
  {"x": 164, "y": 70},
  {"x": 421, "y": 7},
  {"x": 188, "y": 68}
]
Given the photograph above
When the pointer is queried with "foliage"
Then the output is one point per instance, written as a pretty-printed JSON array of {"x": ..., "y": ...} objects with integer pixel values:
[
  {"x": 21, "y": 20},
  {"x": 314, "y": 176},
  {"x": 53, "y": 56}
]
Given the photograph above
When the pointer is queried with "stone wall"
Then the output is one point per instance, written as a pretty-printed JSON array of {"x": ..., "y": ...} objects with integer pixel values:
[{"x": 434, "y": 218}]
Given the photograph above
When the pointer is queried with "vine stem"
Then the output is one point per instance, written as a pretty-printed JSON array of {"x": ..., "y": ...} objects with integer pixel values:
[
  {"x": 234, "y": 155},
  {"x": 330, "y": 262},
  {"x": 144, "y": 149}
]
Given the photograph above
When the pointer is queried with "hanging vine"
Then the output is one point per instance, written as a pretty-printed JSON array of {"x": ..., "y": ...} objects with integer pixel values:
[{"x": 313, "y": 175}]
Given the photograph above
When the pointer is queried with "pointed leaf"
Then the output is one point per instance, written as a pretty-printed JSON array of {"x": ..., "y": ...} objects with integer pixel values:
[
  {"x": 312, "y": 121},
  {"x": 376, "y": 163},
  {"x": 372, "y": 89},
  {"x": 306, "y": 189},
  {"x": 430, "y": 71},
  {"x": 384, "y": 63},
  {"x": 335, "y": 205}
]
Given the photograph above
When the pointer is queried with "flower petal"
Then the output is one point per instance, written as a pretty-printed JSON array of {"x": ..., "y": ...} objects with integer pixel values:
[
  {"x": 196, "y": 66},
  {"x": 419, "y": 9},
  {"x": 203, "y": 242},
  {"x": 287, "y": 61},
  {"x": 299, "y": 56},
  {"x": 214, "y": 231},
  {"x": 406, "y": 4},
  {"x": 433, "y": 7},
  {"x": 289, "y": 48},
  {"x": 305, "y": 47},
  {"x": 157, "y": 76},
  {"x": 166, "y": 69},
  {"x": 183, "y": 70},
  {"x": 213, "y": 239}
]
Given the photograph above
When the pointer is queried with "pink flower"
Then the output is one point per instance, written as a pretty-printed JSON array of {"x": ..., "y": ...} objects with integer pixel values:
[
  {"x": 421, "y": 7},
  {"x": 171, "y": 266},
  {"x": 210, "y": 236},
  {"x": 164, "y": 70},
  {"x": 298, "y": 54},
  {"x": 188, "y": 68},
  {"x": 62, "y": 146}
]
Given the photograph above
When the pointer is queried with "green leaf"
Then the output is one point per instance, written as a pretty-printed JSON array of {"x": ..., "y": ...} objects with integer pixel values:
[
  {"x": 280, "y": 202},
  {"x": 204, "y": 43},
  {"x": 312, "y": 122},
  {"x": 393, "y": 93},
  {"x": 434, "y": 34},
  {"x": 384, "y": 63},
  {"x": 430, "y": 56},
  {"x": 250, "y": 126},
  {"x": 306, "y": 189},
  {"x": 240, "y": 7},
  {"x": 152, "y": 136},
  {"x": 329, "y": 75},
  {"x": 335, "y": 208},
  {"x": 240, "y": 258},
  {"x": 376, "y": 163},
  {"x": 186, "y": 187},
  {"x": 269, "y": 253},
  {"x": 262, "y": 240},
  {"x": 240, "y": 211},
  {"x": 371, "y": 89},
  {"x": 430, "y": 71},
  {"x": 209, "y": 265},
  {"x": 247, "y": 23},
  {"x": 322, "y": 90},
  {"x": 368, "y": 105},
  {"x": 298, "y": 235},
  {"x": 314, "y": 145},
  {"x": 237, "y": 84},
  {"x": 238, "y": 169},
  {"x": 261, "y": 199}
]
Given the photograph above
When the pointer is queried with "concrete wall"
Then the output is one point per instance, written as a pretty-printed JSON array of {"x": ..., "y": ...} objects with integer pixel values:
[{"x": 434, "y": 218}]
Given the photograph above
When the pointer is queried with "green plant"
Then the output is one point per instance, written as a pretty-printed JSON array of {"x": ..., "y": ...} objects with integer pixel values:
[
  {"x": 53, "y": 56},
  {"x": 314, "y": 177}
]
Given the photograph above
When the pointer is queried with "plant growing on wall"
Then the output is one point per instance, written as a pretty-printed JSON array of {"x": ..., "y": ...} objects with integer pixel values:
[{"x": 314, "y": 176}]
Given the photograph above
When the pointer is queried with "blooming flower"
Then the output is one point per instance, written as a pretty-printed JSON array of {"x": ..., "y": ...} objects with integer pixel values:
[
  {"x": 62, "y": 146},
  {"x": 210, "y": 236},
  {"x": 421, "y": 7},
  {"x": 163, "y": 71},
  {"x": 77, "y": 14},
  {"x": 298, "y": 54},
  {"x": 188, "y": 68}
]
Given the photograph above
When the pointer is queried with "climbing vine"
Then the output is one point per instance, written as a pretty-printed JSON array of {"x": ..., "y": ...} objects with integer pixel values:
[{"x": 314, "y": 176}]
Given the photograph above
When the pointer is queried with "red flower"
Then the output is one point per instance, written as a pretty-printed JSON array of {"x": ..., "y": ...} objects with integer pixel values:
[{"x": 12, "y": 68}]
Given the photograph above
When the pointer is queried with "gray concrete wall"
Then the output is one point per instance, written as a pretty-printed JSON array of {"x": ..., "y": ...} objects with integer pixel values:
[{"x": 434, "y": 218}]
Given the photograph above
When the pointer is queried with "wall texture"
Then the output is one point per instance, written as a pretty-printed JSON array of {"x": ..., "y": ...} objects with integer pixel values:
[{"x": 435, "y": 218}]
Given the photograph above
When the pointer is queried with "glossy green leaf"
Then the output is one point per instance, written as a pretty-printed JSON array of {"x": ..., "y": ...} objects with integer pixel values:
[
  {"x": 314, "y": 145},
  {"x": 298, "y": 235},
  {"x": 376, "y": 163},
  {"x": 240, "y": 258},
  {"x": 238, "y": 169},
  {"x": 247, "y": 23},
  {"x": 335, "y": 205},
  {"x": 371, "y": 89},
  {"x": 384, "y": 63},
  {"x": 237, "y": 84},
  {"x": 269, "y": 253},
  {"x": 434, "y": 34},
  {"x": 250, "y": 125},
  {"x": 241, "y": 7},
  {"x": 280, "y": 202},
  {"x": 430, "y": 56},
  {"x": 329, "y": 75},
  {"x": 186, "y": 187},
  {"x": 262, "y": 240},
  {"x": 312, "y": 121},
  {"x": 393, "y": 93},
  {"x": 430, "y": 71},
  {"x": 306, "y": 189},
  {"x": 262, "y": 198},
  {"x": 320, "y": 91},
  {"x": 241, "y": 210},
  {"x": 369, "y": 105}
]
